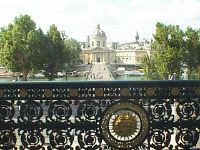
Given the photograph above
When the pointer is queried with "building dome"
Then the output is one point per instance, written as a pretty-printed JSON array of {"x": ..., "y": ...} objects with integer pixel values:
[
  {"x": 98, "y": 38},
  {"x": 99, "y": 32}
]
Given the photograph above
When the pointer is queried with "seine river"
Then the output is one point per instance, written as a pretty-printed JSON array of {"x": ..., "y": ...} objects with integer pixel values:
[{"x": 76, "y": 78}]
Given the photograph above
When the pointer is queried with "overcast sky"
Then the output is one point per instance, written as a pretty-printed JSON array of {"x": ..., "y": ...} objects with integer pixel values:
[{"x": 120, "y": 19}]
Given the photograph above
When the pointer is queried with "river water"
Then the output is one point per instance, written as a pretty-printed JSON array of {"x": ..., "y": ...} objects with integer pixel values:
[{"x": 132, "y": 78}]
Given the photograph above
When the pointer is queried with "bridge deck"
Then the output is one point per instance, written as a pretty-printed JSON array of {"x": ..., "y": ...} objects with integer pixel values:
[{"x": 100, "y": 71}]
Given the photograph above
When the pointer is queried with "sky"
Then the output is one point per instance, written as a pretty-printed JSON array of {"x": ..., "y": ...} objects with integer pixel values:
[{"x": 120, "y": 19}]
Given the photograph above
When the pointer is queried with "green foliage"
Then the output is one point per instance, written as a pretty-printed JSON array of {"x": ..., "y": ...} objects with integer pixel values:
[
  {"x": 23, "y": 48},
  {"x": 54, "y": 53},
  {"x": 173, "y": 50},
  {"x": 72, "y": 50},
  {"x": 39, "y": 44},
  {"x": 192, "y": 51},
  {"x": 150, "y": 67},
  {"x": 18, "y": 42}
]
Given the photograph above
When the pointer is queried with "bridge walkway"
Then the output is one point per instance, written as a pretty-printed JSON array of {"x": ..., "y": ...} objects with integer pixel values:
[{"x": 100, "y": 71}]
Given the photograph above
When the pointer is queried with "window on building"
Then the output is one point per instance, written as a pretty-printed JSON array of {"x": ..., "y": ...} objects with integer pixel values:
[
  {"x": 98, "y": 43},
  {"x": 104, "y": 44},
  {"x": 92, "y": 43}
]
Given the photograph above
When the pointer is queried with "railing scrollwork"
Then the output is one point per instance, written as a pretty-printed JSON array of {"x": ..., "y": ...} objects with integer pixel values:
[{"x": 101, "y": 115}]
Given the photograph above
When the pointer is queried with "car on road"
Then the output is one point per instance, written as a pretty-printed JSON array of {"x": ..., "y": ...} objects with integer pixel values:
[
  {"x": 60, "y": 74},
  {"x": 39, "y": 75}
]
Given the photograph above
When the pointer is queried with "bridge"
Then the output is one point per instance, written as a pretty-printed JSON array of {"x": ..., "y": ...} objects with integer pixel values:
[
  {"x": 107, "y": 115},
  {"x": 99, "y": 71}
]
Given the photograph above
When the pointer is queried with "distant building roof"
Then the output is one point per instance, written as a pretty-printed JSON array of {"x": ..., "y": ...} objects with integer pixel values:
[{"x": 98, "y": 32}]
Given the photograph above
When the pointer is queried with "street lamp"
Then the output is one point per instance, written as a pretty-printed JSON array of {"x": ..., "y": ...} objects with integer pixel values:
[
  {"x": 174, "y": 76},
  {"x": 66, "y": 67}
]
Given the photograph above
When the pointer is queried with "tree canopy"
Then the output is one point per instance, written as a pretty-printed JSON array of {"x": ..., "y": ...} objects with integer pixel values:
[
  {"x": 174, "y": 50},
  {"x": 72, "y": 49},
  {"x": 55, "y": 56},
  {"x": 24, "y": 48},
  {"x": 19, "y": 45},
  {"x": 192, "y": 50}
]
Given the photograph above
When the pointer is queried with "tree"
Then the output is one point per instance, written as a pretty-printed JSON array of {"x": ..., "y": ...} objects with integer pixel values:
[
  {"x": 55, "y": 56},
  {"x": 72, "y": 51},
  {"x": 19, "y": 46},
  {"x": 168, "y": 55},
  {"x": 149, "y": 66},
  {"x": 192, "y": 50},
  {"x": 38, "y": 43}
]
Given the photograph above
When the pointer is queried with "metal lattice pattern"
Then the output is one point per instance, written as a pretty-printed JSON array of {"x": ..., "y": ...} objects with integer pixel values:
[{"x": 100, "y": 115}]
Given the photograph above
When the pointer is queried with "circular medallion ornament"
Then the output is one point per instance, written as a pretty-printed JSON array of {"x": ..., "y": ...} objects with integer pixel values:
[
  {"x": 23, "y": 92},
  {"x": 31, "y": 111},
  {"x": 124, "y": 92},
  {"x": 6, "y": 111},
  {"x": 7, "y": 139},
  {"x": 124, "y": 125},
  {"x": 150, "y": 91},
  {"x": 175, "y": 91},
  {"x": 197, "y": 91},
  {"x": 59, "y": 111},
  {"x": 99, "y": 92},
  {"x": 73, "y": 92},
  {"x": 32, "y": 140},
  {"x": 1, "y": 93},
  {"x": 60, "y": 139},
  {"x": 48, "y": 93}
]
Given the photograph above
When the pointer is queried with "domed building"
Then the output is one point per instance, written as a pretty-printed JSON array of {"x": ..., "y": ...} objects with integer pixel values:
[
  {"x": 95, "y": 49},
  {"x": 98, "y": 38},
  {"x": 98, "y": 50}
]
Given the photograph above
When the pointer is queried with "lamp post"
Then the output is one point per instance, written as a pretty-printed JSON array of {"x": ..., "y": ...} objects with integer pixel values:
[
  {"x": 174, "y": 76},
  {"x": 66, "y": 67}
]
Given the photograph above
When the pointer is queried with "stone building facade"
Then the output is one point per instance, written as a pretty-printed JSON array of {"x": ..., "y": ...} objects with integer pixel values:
[{"x": 97, "y": 50}]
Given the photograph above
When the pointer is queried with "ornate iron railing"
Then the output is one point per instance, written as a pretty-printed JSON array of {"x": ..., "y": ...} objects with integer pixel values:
[{"x": 100, "y": 115}]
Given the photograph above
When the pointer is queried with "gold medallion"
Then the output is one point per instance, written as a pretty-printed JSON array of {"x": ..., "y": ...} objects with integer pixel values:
[
  {"x": 48, "y": 93},
  {"x": 124, "y": 92},
  {"x": 73, "y": 92},
  {"x": 23, "y": 92},
  {"x": 1, "y": 93},
  {"x": 124, "y": 125},
  {"x": 175, "y": 91},
  {"x": 99, "y": 92},
  {"x": 197, "y": 91},
  {"x": 150, "y": 91}
]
